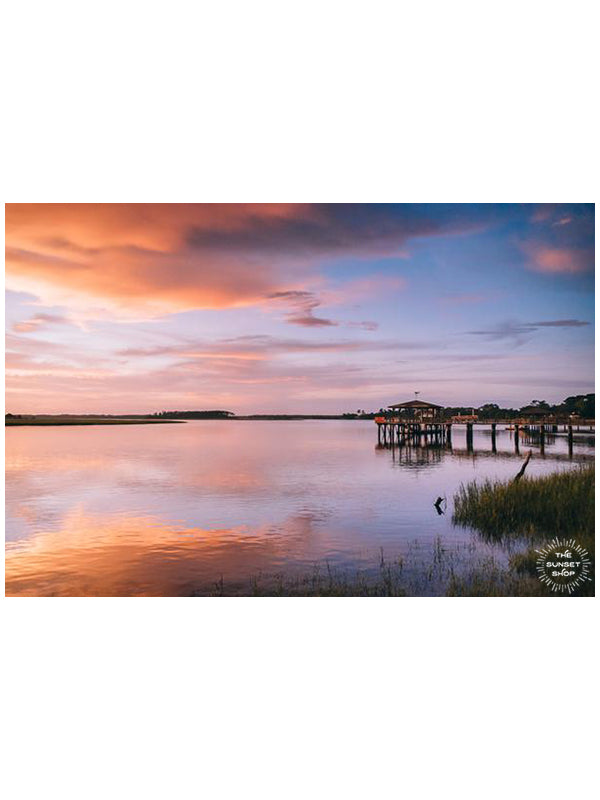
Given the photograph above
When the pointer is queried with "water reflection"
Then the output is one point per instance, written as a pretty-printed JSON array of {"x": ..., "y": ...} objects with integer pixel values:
[
  {"x": 169, "y": 510},
  {"x": 416, "y": 454},
  {"x": 94, "y": 554}
]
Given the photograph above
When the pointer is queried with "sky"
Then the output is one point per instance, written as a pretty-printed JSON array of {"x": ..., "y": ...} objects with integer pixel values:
[{"x": 295, "y": 308}]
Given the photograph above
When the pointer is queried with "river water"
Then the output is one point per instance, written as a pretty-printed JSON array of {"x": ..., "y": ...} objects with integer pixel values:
[{"x": 184, "y": 509}]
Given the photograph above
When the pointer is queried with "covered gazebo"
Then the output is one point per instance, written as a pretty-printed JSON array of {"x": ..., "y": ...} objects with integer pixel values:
[{"x": 418, "y": 411}]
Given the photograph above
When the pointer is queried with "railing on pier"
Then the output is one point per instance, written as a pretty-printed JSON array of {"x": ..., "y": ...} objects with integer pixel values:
[{"x": 521, "y": 421}]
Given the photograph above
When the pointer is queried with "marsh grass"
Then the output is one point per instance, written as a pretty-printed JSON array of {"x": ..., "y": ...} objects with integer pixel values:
[
  {"x": 561, "y": 505},
  {"x": 326, "y": 581},
  {"x": 535, "y": 509},
  {"x": 433, "y": 570},
  {"x": 481, "y": 577}
]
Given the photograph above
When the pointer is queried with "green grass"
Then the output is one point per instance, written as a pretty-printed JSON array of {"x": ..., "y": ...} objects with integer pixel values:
[
  {"x": 535, "y": 509},
  {"x": 561, "y": 504}
]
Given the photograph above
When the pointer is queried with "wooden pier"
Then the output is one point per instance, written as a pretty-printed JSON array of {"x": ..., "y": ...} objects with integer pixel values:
[
  {"x": 416, "y": 421},
  {"x": 394, "y": 431}
]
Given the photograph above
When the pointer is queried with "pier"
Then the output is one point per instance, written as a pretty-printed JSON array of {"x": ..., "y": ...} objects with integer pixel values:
[{"x": 417, "y": 421}]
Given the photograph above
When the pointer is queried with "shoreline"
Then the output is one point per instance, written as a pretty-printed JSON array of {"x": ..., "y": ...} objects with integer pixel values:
[{"x": 56, "y": 421}]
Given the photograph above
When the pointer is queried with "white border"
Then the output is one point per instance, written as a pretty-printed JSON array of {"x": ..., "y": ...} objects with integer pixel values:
[{"x": 328, "y": 101}]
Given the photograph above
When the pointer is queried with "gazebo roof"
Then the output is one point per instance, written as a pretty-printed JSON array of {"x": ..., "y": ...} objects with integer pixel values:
[{"x": 415, "y": 404}]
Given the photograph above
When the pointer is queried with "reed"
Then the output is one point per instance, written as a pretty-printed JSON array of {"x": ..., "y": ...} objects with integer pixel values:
[
  {"x": 558, "y": 505},
  {"x": 561, "y": 504}
]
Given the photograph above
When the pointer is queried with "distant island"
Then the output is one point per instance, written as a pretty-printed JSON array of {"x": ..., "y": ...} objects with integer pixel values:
[
  {"x": 580, "y": 406},
  {"x": 15, "y": 420}
]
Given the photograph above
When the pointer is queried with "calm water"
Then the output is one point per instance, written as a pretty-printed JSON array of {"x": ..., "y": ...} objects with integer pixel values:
[{"x": 169, "y": 509}]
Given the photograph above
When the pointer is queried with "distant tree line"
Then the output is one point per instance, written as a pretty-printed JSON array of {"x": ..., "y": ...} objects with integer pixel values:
[
  {"x": 582, "y": 405},
  {"x": 194, "y": 414}
]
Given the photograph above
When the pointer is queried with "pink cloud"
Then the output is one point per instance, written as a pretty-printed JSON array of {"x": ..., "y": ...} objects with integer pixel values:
[
  {"x": 303, "y": 303},
  {"x": 366, "y": 325},
  {"x": 359, "y": 289},
  {"x": 544, "y": 258},
  {"x": 38, "y": 321}
]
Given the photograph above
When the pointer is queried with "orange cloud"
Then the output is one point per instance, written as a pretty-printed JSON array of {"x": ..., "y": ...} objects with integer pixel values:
[
  {"x": 139, "y": 256},
  {"x": 148, "y": 226},
  {"x": 155, "y": 282},
  {"x": 157, "y": 258}
]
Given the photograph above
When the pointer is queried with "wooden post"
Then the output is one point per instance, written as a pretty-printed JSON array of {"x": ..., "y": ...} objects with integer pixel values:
[
  {"x": 521, "y": 472},
  {"x": 570, "y": 441}
]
